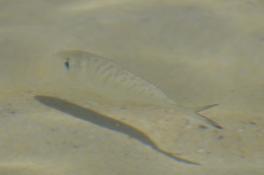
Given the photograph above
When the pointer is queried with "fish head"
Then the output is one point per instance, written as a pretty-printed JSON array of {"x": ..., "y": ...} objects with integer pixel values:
[
  {"x": 74, "y": 60},
  {"x": 70, "y": 59}
]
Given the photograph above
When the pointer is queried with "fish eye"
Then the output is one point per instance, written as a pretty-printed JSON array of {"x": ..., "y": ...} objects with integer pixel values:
[{"x": 67, "y": 64}]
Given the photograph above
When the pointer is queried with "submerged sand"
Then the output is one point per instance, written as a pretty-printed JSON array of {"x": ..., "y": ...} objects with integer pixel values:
[{"x": 196, "y": 53}]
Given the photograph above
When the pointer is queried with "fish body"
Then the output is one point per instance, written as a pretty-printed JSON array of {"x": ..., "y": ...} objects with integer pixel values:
[{"x": 105, "y": 77}]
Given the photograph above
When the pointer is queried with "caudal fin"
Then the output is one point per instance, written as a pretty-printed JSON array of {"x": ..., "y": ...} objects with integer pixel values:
[
  {"x": 204, "y": 118},
  {"x": 209, "y": 121}
]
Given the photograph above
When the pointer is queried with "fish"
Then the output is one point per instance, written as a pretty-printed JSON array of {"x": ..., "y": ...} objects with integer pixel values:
[
  {"x": 107, "y": 78},
  {"x": 109, "y": 123}
]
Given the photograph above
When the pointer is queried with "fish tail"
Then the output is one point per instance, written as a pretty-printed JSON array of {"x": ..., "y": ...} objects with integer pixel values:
[{"x": 209, "y": 121}]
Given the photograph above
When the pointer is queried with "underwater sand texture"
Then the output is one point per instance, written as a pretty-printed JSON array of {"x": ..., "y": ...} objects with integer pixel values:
[
  {"x": 198, "y": 53},
  {"x": 27, "y": 168},
  {"x": 63, "y": 144}
]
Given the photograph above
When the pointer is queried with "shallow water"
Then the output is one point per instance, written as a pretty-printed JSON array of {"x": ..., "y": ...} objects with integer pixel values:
[{"x": 198, "y": 54}]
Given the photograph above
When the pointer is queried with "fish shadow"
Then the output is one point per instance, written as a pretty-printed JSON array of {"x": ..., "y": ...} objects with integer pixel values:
[{"x": 106, "y": 122}]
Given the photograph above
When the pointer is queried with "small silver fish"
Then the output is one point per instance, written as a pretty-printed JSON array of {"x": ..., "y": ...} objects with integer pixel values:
[{"x": 105, "y": 77}]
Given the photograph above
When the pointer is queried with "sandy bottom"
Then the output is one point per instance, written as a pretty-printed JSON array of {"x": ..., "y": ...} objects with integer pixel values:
[{"x": 196, "y": 53}]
